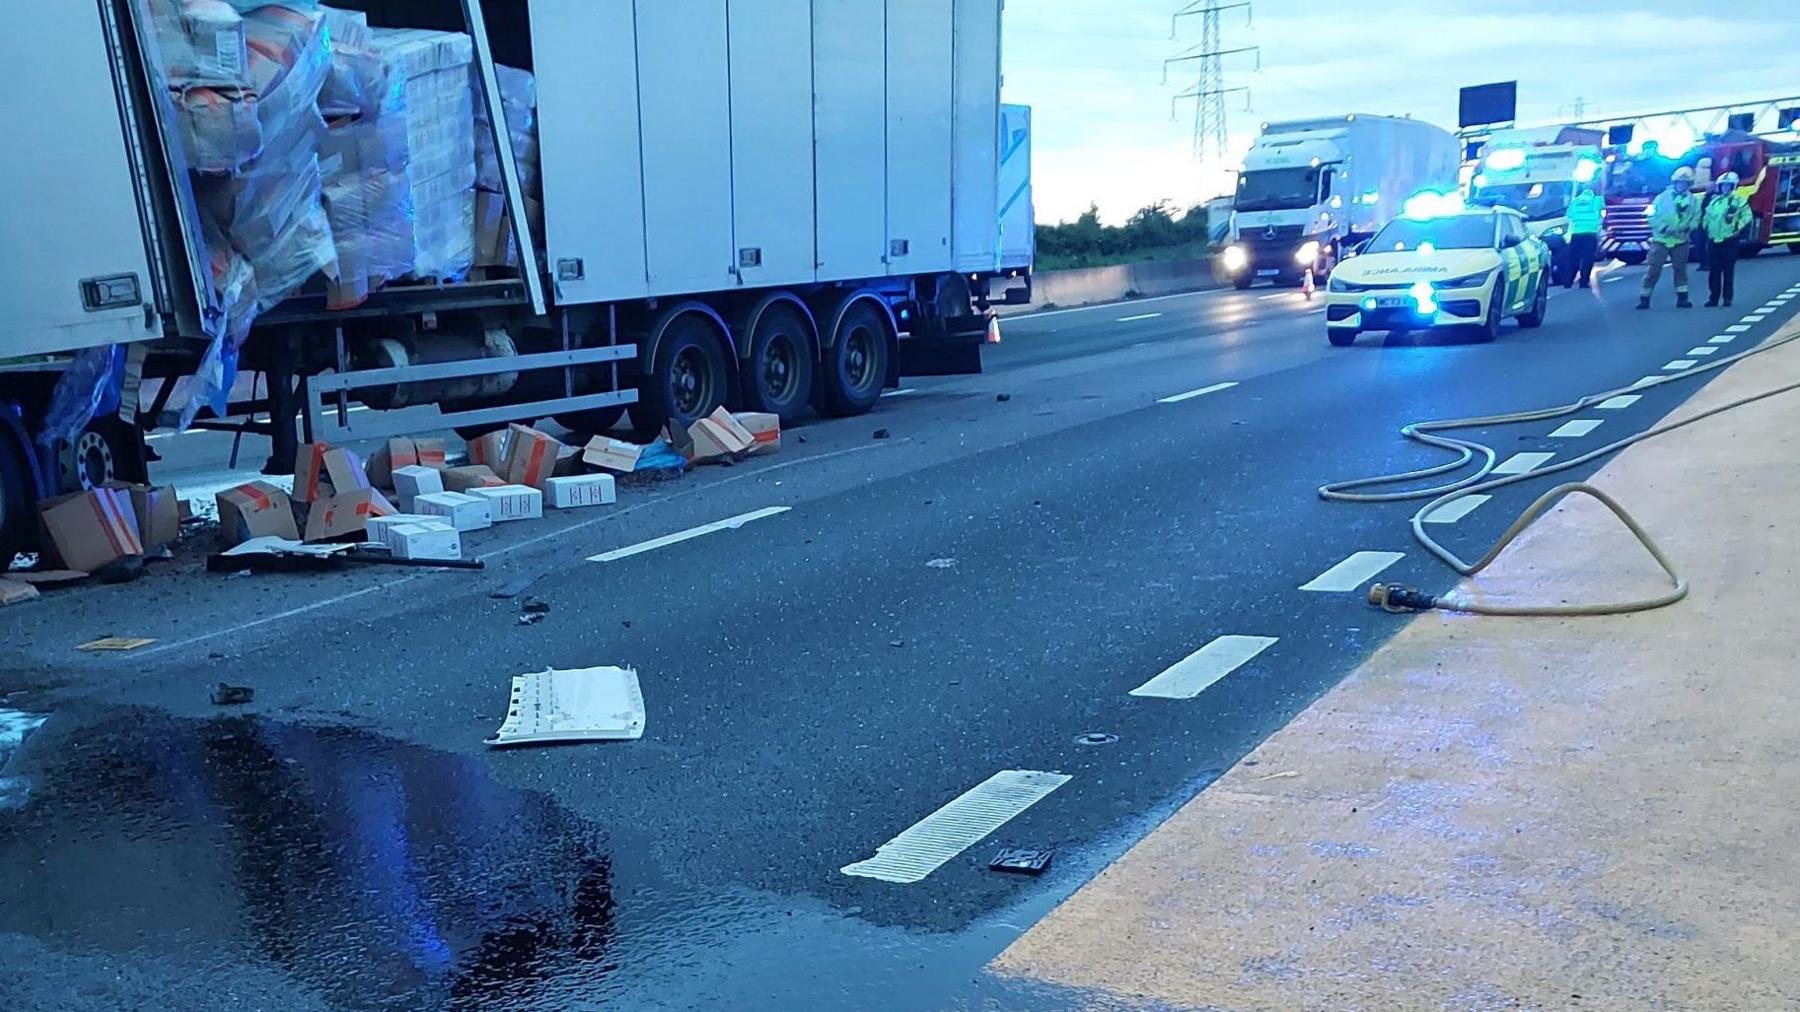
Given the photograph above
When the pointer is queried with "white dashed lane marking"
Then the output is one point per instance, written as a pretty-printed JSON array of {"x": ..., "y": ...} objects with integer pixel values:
[
  {"x": 730, "y": 524},
  {"x": 934, "y": 840},
  {"x": 1451, "y": 512},
  {"x": 1619, "y": 403},
  {"x": 1140, "y": 316},
  {"x": 1724, "y": 339},
  {"x": 1202, "y": 392},
  {"x": 1737, "y": 328},
  {"x": 1353, "y": 572},
  {"x": 1576, "y": 429},
  {"x": 1680, "y": 365},
  {"x": 1521, "y": 463},
  {"x": 1196, "y": 672},
  {"x": 1703, "y": 350}
]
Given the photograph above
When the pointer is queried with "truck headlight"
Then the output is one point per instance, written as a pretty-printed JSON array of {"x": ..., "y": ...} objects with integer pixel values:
[
  {"x": 1235, "y": 258},
  {"x": 1307, "y": 254},
  {"x": 1467, "y": 281}
]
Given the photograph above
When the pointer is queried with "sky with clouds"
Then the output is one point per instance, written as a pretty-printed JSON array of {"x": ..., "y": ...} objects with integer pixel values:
[{"x": 1093, "y": 71}]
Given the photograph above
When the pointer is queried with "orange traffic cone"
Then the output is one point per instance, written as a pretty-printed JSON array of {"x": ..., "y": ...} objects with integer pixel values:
[
  {"x": 1306, "y": 284},
  {"x": 993, "y": 331}
]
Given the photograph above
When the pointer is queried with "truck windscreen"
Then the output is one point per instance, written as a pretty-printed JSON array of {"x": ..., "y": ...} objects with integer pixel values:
[
  {"x": 1638, "y": 177},
  {"x": 1277, "y": 189},
  {"x": 1538, "y": 201},
  {"x": 1463, "y": 231}
]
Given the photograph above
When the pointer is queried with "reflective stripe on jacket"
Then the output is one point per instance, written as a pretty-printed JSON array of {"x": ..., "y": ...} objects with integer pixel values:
[
  {"x": 1673, "y": 217},
  {"x": 1727, "y": 216}
]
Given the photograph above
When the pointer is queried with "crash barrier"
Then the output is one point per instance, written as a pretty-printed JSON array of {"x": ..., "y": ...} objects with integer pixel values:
[{"x": 1085, "y": 285}]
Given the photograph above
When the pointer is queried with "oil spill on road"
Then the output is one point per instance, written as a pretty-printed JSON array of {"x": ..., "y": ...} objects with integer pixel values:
[{"x": 354, "y": 870}]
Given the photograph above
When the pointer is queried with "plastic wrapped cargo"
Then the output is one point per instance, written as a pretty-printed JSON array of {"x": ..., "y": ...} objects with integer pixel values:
[
  {"x": 427, "y": 101},
  {"x": 368, "y": 199},
  {"x": 202, "y": 44},
  {"x": 518, "y": 97},
  {"x": 221, "y": 131}
]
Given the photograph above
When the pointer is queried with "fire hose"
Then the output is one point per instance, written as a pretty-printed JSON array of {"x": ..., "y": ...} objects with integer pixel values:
[{"x": 1408, "y": 599}]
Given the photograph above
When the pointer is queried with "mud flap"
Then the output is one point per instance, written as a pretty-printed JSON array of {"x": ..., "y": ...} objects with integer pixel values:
[{"x": 955, "y": 353}]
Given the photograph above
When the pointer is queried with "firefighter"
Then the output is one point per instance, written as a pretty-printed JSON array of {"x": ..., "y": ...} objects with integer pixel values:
[
  {"x": 1728, "y": 217},
  {"x": 1674, "y": 216},
  {"x": 1585, "y": 213}
]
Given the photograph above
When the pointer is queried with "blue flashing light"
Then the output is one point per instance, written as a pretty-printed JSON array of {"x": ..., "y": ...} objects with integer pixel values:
[
  {"x": 1586, "y": 169},
  {"x": 1425, "y": 296},
  {"x": 1369, "y": 303},
  {"x": 1429, "y": 204}
]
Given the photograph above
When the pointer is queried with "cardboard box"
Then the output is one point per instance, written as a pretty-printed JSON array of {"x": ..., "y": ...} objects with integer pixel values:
[
  {"x": 489, "y": 449},
  {"x": 309, "y": 473},
  {"x": 433, "y": 539},
  {"x": 530, "y": 456},
  {"x": 717, "y": 437},
  {"x": 464, "y": 512},
  {"x": 613, "y": 454},
  {"x": 417, "y": 480},
  {"x": 379, "y": 527},
  {"x": 512, "y": 502},
  {"x": 581, "y": 490},
  {"x": 462, "y": 479},
  {"x": 764, "y": 429},
  {"x": 13, "y": 592},
  {"x": 344, "y": 470},
  {"x": 254, "y": 510},
  {"x": 90, "y": 529},
  {"x": 340, "y": 515},
  {"x": 401, "y": 453},
  {"x": 158, "y": 515}
]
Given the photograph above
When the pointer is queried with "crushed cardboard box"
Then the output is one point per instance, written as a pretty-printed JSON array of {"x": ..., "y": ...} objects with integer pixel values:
[
  {"x": 462, "y": 479},
  {"x": 613, "y": 454},
  {"x": 14, "y": 592},
  {"x": 341, "y": 515},
  {"x": 489, "y": 449},
  {"x": 158, "y": 513},
  {"x": 309, "y": 472},
  {"x": 90, "y": 529},
  {"x": 256, "y": 509},
  {"x": 765, "y": 431}
]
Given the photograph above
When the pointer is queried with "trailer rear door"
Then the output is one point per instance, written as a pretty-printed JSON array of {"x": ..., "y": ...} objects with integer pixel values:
[
  {"x": 71, "y": 238},
  {"x": 920, "y": 145}
]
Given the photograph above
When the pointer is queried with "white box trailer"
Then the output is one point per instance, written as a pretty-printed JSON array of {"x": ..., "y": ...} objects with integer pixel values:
[{"x": 771, "y": 204}]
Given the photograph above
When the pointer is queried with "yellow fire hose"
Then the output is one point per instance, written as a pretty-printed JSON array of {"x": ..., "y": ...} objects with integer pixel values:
[{"x": 1397, "y": 598}]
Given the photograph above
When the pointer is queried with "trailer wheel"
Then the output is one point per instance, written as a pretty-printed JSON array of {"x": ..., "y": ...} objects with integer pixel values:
[
  {"x": 856, "y": 364},
  {"x": 107, "y": 450},
  {"x": 777, "y": 377},
  {"x": 16, "y": 528},
  {"x": 688, "y": 380}
]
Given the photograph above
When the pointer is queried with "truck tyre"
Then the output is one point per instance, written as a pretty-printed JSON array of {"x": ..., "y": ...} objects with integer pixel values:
[
  {"x": 777, "y": 377},
  {"x": 591, "y": 423},
  {"x": 856, "y": 364},
  {"x": 1540, "y": 305},
  {"x": 688, "y": 380},
  {"x": 1243, "y": 284},
  {"x": 107, "y": 450},
  {"x": 17, "y": 529}
]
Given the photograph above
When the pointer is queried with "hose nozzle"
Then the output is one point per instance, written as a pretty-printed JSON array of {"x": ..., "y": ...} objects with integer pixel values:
[{"x": 1400, "y": 600}]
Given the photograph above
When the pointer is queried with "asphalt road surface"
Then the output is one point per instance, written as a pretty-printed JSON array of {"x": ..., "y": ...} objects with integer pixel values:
[{"x": 980, "y": 592}]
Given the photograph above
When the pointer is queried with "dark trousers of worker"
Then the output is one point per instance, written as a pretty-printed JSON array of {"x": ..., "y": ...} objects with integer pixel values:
[
  {"x": 1584, "y": 246},
  {"x": 1721, "y": 266},
  {"x": 1676, "y": 257}
]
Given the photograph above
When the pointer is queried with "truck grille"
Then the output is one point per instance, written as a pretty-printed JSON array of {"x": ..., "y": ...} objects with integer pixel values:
[{"x": 1272, "y": 234}]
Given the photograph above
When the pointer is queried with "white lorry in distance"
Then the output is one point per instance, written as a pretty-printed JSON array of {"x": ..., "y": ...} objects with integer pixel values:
[{"x": 1311, "y": 189}]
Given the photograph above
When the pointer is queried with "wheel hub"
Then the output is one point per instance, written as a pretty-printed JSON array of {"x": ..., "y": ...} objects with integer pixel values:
[{"x": 778, "y": 369}]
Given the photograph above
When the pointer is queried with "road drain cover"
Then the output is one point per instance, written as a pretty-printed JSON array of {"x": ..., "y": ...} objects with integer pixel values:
[{"x": 1096, "y": 739}]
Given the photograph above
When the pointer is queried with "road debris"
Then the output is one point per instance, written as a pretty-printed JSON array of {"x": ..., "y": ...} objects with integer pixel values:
[
  {"x": 1022, "y": 861},
  {"x": 89, "y": 529},
  {"x": 586, "y": 704},
  {"x": 232, "y": 695},
  {"x": 1284, "y": 775},
  {"x": 115, "y": 644},
  {"x": 14, "y": 592},
  {"x": 941, "y": 563},
  {"x": 1003, "y": 398},
  {"x": 882, "y": 434},
  {"x": 121, "y": 570},
  {"x": 533, "y": 611}
]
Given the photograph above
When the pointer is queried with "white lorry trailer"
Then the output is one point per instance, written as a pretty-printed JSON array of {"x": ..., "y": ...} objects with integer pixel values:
[
  {"x": 779, "y": 205},
  {"x": 1309, "y": 189},
  {"x": 1537, "y": 172}
]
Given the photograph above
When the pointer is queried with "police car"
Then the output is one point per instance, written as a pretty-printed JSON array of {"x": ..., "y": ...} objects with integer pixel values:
[{"x": 1441, "y": 264}]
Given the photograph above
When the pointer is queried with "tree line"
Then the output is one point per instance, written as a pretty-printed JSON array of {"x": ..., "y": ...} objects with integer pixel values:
[{"x": 1156, "y": 232}]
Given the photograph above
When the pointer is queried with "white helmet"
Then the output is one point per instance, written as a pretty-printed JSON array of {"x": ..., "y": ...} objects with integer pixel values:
[
  {"x": 1729, "y": 180},
  {"x": 1682, "y": 175}
]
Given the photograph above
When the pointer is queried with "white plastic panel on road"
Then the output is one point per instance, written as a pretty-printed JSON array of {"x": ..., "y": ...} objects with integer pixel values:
[
  {"x": 1199, "y": 670},
  {"x": 1620, "y": 402},
  {"x": 1352, "y": 573},
  {"x": 772, "y": 141},
  {"x": 1451, "y": 512},
  {"x": 1575, "y": 429},
  {"x": 934, "y": 840},
  {"x": 729, "y": 524},
  {"x": 684, "y": 96},
  {"x": 1522, "y": 463}
]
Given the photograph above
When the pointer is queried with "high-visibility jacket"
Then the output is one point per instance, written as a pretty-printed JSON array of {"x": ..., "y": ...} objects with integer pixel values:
[
  {"x": 1585, "y": 212},
  {"x": 1727, "y": 216},
  {"x": 1674, "y": 216}
]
